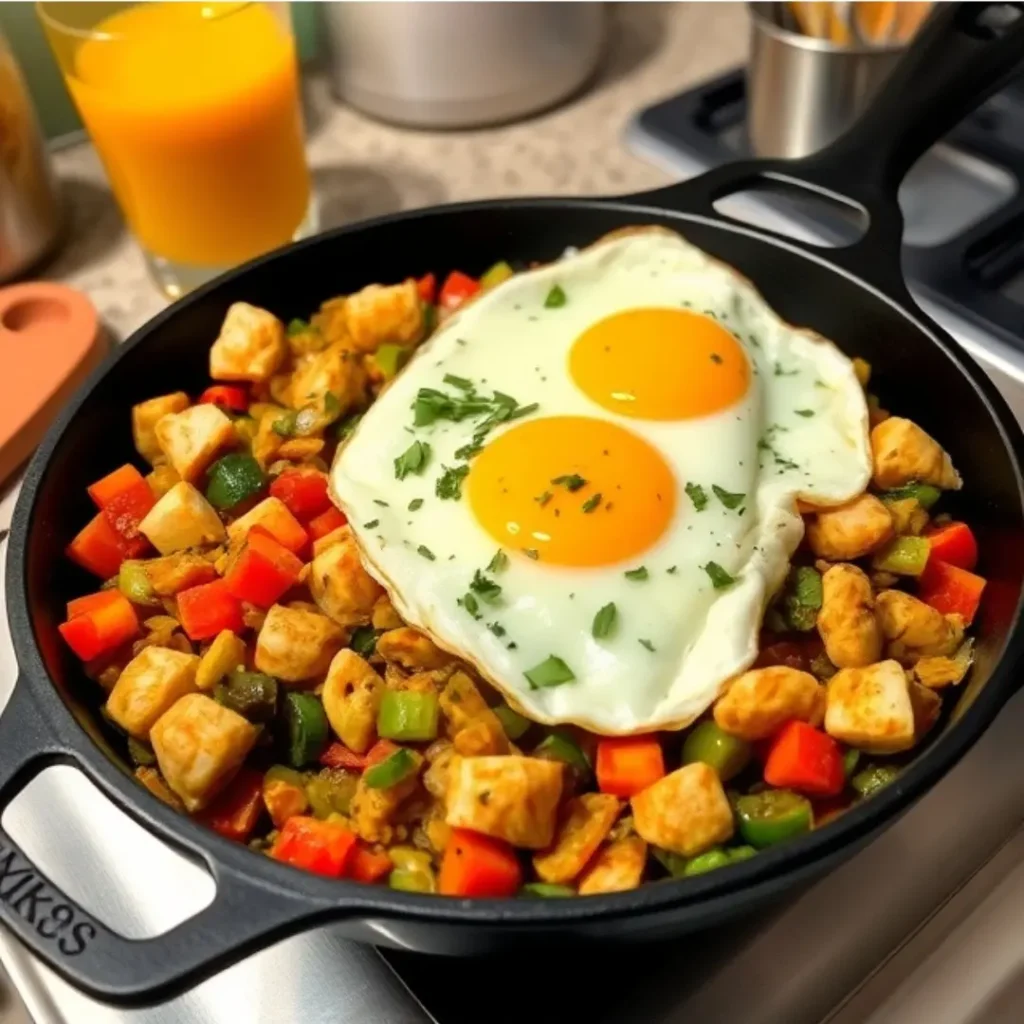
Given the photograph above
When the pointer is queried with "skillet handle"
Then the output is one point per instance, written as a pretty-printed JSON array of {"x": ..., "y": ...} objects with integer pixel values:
[
  {"x": 964, "y": 53},
  {"x": 244, "y": 915}
]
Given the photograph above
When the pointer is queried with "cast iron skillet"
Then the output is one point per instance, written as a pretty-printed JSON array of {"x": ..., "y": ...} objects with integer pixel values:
[{"x": 854, "y": 295}]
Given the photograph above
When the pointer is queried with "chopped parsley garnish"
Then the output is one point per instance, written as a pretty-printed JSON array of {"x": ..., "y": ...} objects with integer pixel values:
[
  {"x": 488, "y": 590},
  {"x": 780, "y": 372},
  {"x": 671, "y": 570},
  {"x": 571, "y": 481},
  {"x": 431, "y": 405},
  {"x": 552, "y": 671},
  {"x": 413, "y": 460},
  {"x": 449, "y": 483},
  {"x": 364, "y": 640},
  {"x": 543, "y": 499},
  {"x": 296, "y": 326},
  {"x": 639, "y": 573},
  {"x": 497, "y": 628},
  {"x": 716, "y": 358},
  {"x": 592, "y": 502},
  {"x": 648, "y": 645},
  {"x": 381, "y": 502},
  {"x": 719, "y": 577},
  {"x": 347, "y": 425},
  {"x": 727, "y": 498},
  {"x": 475, "y": 447},
  {"x": 469, "y": 602},
  {"x": 556, "y": 298},
  {"x": 806, "y": 413},
  {"x": 697, "y": 495},
  {"x": 459, "y": 382},
  {"x": 415, "y": 504},
  {"x": 531, "y": 553},
  {"x": 331, "y": 404},
  {"x": 499, "y": 563},
  {"x": 426, "y": 553},
  {"x": 372, "y": 524},
  {"x": 604, "y": 621},
  {"x": 285, "y": 426}
]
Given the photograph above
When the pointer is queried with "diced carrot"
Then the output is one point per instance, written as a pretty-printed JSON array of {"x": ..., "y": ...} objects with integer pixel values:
[
  {"x": 323, "y": 847},
  {"x": 954, "y": 544},
  {"x": 457, "y": 288},
  {"x": 628, "y": 764},
  {"x": 337, "y": 755},
  {"x": 805, "y": 759},
  {"x": 125, "y": 498},
  {"x": 100, "y": 549},
  {"x": 234, "y": 399},
  {"x": 236, "y": 810},
  {"x": 304, "y": 491},
  {"x": 263, "y": 570},
  {"x": 950, "y": 589},
  {"x": 82, "y": 605},
  {"x": 209, "y": 608},
  {"x": 98, "y": 623},
  {"x": 477, "y": 865},
  {"x": 366, "y": 865},
  {"x": 109, "y": 487},
  {"x": 326, "y": 523},
  {"x": 427, "y": 288}
]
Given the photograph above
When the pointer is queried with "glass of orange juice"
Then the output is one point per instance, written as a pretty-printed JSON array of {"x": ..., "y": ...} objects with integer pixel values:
[{"x": 195, "y": 111}]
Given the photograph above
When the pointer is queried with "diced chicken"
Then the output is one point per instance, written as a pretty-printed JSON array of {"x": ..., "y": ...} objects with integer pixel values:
[
  {"x": 192, "y": 439},
  {"x": 338, "y": 371},
  {"x": 439, "y": 761},
  {"x": 936, "y": 672},
  {"x": 224, "y": 655},
  {"x": 331, "y": 322},
  {"x": 686, "y": 812},
  {"x": 461, "y": 702},
  {"x": 251, "y": 345},
  {"x": 301, "y": 449},
  {"x": 199, "y": 745},
  {"x": 903, "y": 453},
  {"x": 267, "y": 441},
  {"x": 328, "y": 540},
  {"x": 384, "y": 615},
  {"x": 512, "y": 798},
  {"x": 174, "y": 573},
  {"x": 295, "y": 645},
  {"x": 373, "y": 811},
  {"x": 913, "y": 629},
  {"x": 584, "y": 824},
  {"x": 162, "y": 479},
  {"x": 150, "y": 683},
  {"x": 352, "y": 694},
  {"x": 272, "y": 514},
  {"x": 909, "y": 516},
  {"x": 927, "y": 705},
  {"x": 870, "y": 708},
  {"x": 481, "y": 735},
  {"x": 181, "y": 519},
  {"x": 340, "y": 585},
  {"x": 851, "y": 530},
  {"x": 411, "y": 649},
  {"x": 618, "y": 867},
  {"x": 384, "y": 313},
  {"x": 145, "y": 417},
  {"x": 847, "y": 622},
  {"x": 759, "y": 701}
]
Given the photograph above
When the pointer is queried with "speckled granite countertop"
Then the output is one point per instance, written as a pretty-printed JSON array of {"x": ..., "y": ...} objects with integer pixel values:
[{"x": 363, "y": 168}]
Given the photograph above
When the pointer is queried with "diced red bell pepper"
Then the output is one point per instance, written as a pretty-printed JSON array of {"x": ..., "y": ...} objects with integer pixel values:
[
  {"x": 380, "y": 751},
  {"x": 209, "y": 608},
  {"x": 98, "y": 623},
  {"x": 954, "y": 544},
  {"x": 950, "y": 589},
  {"x": 628, "y": 764},
  {"x": 457, "y": 288},
  {"x": 323, "y": 847},
  {"x": 304, "y": 491},
  {"x": 124, "y": 497},
  {"x": 236, "y": 810},
  {"x": 337, "y": 755},
  {"x": 477, "y": 865},
  {"x": 805, "y": 759},
  {"x": 263, "y": 570},
  {"x": 427, "y": 288},
  {"x": 366, "y": 865},
  {"x": 326, "y": 523},
  {"x": 234, "y": 399},
  {"x": 100, "y": 549}
]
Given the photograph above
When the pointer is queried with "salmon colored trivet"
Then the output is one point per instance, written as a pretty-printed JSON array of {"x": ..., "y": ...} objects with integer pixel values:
[{"x": 50, "y": 339}]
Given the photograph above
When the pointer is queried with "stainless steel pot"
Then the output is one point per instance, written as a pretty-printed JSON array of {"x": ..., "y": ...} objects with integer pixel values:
[
  {"x": 804, "y": 92},
  {"x": 459, "y": 65}
]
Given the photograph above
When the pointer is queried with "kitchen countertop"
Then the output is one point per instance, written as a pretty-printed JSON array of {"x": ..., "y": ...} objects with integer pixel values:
[{"x": 363, "y": 168}]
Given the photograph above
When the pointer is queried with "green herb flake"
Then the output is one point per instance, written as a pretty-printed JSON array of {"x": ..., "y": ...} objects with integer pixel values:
[
  {"x": 347, "y": 425},
  {"x": 381, "y": 502},
  {"x": 570, "y": 481},
  {"x": 297, "y": 326},
  {"x": 372, "y": 524},
  {"x": 604, "y": 621},
  {"x": 415, "y": 504},
  {"x": 806, "y": 413},
  {"x": 719, "y": 577},
  {"x": 364, "y": 640},
  {"x": 716, "y": 358},
  {"x": 497, "y": 628},
  {"x": 413, "y": 460},
  {"x": 697, "y": 495},
  {"x": 488, "y": 590},
  {"x": 469, "y": 602},
  {"x": 459, "y": 382},
  {"x": 780, "y": 372},
  {"x": 640, "y": 573},
  {"x": 285, "y": 426},
  {"x": 592, "y": 502},
  {"x": 449, "y": 483},
  {"x": 648, "y": 645},
  {"x": 556, "y": 298},
  {"x": 727, "y": 498},
  {"x": 332, "y": 407},
  {"x": 531, "y": 553},
  {"x": 499, "y": 563},
  {"x": 543, "y": 499},
  {"x": 552, "y": 671},
  {"x": 426, "y": 553},
  {"x": 671, "y": 570}
]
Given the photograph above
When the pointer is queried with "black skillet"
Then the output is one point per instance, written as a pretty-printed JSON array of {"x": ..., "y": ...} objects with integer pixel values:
[{"x": 854, "y": 295}]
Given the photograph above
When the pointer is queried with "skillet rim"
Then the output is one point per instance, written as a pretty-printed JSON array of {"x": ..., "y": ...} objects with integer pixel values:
[{"x": 339, "y": 899}]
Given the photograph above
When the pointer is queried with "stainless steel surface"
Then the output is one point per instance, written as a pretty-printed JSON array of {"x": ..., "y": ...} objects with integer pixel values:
[
  {"x": 441, "y": 65},
  {"x": 30, "y": 217},
  {"x": 804, "y": 92}
]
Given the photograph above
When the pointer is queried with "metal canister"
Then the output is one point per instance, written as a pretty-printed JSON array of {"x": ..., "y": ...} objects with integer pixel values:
[{"x": 803, "y": 92}]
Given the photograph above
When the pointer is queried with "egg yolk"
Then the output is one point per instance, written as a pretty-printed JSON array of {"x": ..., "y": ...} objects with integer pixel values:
[
  {"x": 660, "y": 364},
  {"x": 571, "y": 490}
]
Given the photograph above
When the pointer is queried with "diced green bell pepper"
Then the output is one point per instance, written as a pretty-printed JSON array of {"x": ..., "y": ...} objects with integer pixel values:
[
  {"x": 233, "y": 479},
  {"x": 390, "y": 359},
  {"x": 140, "y": 753},
  {"x": 926, "y": 494},
  {"x": 546, "y": 890},
  {"x": 408, "y": 716},
  {"x": 705, "y": 862},
  {"x": 133, "y": 582},
  {"x": 297, "y": 326},
  {"x": 904, "y": 556},
  {"x": 801, "y": 599},
  {"x": 253, "y": 695},
  {"x": 391, "y": 771},
  {"x": 559, "y": 746},
  {"x": 851, "y": 758},
  {"x": 873, "y": 778},
  {"x": 514, "y": 724},
  {"x": 307, "y": 727},
  {"x": 331, "y": 791},
  {"x": 728, "y": 755},
  {"x": 411, "y": 881},
  {"x": 773, "y": 816},
  {"x": 492, "y": 277},
  {"x": 738, "y": 854}
]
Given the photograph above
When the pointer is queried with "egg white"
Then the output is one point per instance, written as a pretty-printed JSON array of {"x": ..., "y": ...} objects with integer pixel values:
[{"x": 760, "y": 447}]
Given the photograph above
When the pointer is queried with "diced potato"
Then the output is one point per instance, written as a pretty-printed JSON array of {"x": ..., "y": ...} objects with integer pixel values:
[
  {"x": 618, "y": 866},
  {"x": 903, "y": 453},
  {"x": 384, "y": 615},
  {"x": 851, "y": 530},
  {"x": 199, "y": 745},
  {"x": 512, "y": 798},
  {"x": 225, "y": 654},
  {"x": 411, "y": 649},
  {"x": 847, "y": 622},
  {"x": 482, "y": 734},
  {"x": 295, "y": 645},
  {"x": 145, "y": 417},
  {"x": 337, "y": 370},
  {"x": 686, "y": 812},
  {"x": 251, "y": 345},
  {"x": 193, "y": 438},
  {"x": 181, "y": 519},
  {"x": 150, "y": 683},
  {"x": 162, "y": 479},
  {"x": 759, "y": 701},
  {"x": 352, "y": 694},
  {"x": 584, "y": 824},
  {"x": 173, "y": 573},
  {"x": 913, "y": 629},
  {"x": 271, "y": 514},
  {"x": 870, "y": 708},
  {"x": 298, "y": 449},
  {"x": 461, "y": 702},
  {"x": 341, "y": 587},
  {"x": 373, "y": 811},
  {"x": 384, "y": 313}
]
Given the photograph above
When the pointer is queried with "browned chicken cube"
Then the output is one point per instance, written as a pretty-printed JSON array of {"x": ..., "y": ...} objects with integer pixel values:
[
  {"x": 295, "y": 645},
  {"x": 149, "y": 685},
  {"x": 618, "y": 866},
  {"x": 585, "y": 822}
]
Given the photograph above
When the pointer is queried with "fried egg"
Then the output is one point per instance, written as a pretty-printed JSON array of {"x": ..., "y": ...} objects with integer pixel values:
[{"x": 585, "y": 483}]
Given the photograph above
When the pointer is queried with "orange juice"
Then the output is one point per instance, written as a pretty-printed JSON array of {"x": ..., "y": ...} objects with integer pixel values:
[{"x": 195, "y": 111}]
